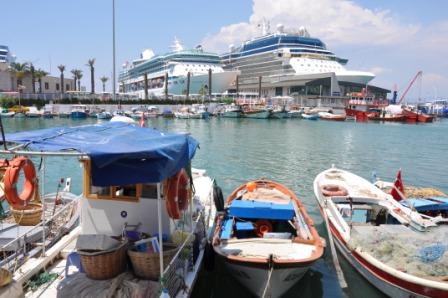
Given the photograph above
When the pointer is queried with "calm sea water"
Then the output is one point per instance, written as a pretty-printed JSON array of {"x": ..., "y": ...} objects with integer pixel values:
[{"x": 291, "y": 152}]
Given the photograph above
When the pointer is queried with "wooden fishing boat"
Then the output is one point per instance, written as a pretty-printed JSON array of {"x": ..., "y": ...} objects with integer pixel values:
[
  {"x": 256, "y": 112},
  {"x": 416, "y": 116},
  {"x": 266, "y": 238},
  {"x": 392, "y": 246},
  {"x": 122, "y": 199},
  {"x": 331, "y": 117},
  {"x": 310, "y": 116}
]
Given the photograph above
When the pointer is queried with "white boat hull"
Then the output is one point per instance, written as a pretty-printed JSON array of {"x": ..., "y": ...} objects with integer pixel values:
[
  {"x": 255, "y": 278},
  {"x": 258, "y": 115}
]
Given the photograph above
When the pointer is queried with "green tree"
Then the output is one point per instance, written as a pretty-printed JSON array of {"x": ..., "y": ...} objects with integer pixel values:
[
  {"x": 79, "y": 76},
  {"x": 104, "y": 79},
  {"x": 62, "y": 69},
  {"x": 39, "y": 74},
  {"x": 90, "y": 64},
  {"x": 20, "y": 70}
]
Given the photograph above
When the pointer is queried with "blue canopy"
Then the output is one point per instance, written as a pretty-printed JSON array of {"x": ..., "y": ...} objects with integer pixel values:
[{"x": 120, "y": 153}]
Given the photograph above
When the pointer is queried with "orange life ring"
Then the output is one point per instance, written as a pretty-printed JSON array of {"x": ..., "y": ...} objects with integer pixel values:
[
  {"x": 12, "y": 177},
  {"x": 333, "y": 190},
  {"x": 177, "y": 194},
  {"x": 262, "y": 226}
]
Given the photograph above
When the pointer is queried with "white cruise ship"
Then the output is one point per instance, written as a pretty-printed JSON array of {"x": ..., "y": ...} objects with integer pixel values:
[
  {"x": 287, "y": 61},
  {"x": 176, "y": 64}
]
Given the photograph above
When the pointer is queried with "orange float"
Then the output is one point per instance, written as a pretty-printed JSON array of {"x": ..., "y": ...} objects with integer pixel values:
[
  {"x": 333, "y": 190},
  {"x": 11, "y": 178},
  {"x": 177, "y": 194},
  {"x": 262, "y": 226}
]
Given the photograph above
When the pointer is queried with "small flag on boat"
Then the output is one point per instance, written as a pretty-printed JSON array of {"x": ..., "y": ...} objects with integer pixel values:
[
  {"x": 398, "y": 187},
  {"x": 142, "y": 120}
]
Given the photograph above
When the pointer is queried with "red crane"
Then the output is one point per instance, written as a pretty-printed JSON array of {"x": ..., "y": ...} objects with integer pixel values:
[{"x": 417, "y": 75}]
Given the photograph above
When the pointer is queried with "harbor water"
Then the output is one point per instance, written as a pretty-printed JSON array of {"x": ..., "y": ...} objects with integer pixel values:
[{"x": 292, "y": 152}]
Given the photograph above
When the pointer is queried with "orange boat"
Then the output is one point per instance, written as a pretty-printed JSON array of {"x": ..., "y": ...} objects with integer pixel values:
[
  {"x": 417, "y": 116},
  {"x": 266, "y": 238}
]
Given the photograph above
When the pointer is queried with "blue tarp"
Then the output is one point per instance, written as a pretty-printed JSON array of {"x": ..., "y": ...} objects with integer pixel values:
[
  {"x": 121, "y": 153},
  {"x": 428, "y": 204}
]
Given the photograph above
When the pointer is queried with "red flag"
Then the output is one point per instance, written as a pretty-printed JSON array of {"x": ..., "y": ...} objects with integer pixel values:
[
  {"x": 398, "y": 184},
  {"x": 142, "y": 120}
]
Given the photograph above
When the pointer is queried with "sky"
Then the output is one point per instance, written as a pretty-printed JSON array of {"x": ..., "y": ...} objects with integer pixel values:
[{"x": 393, "y": 39}]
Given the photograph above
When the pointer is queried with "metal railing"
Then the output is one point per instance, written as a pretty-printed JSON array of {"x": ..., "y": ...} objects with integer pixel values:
[
  {"x": 184, "y": 261},
  {"x": 53, "y": 226}
]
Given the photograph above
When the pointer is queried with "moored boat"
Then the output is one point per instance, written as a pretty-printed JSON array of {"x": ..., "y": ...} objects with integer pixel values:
[
  {"x": 127, "y": 190},
  {"x": 361, "y": 103},
  {"x": 266, "y": 238},
  {"x": 382, "y": 115},
  {"x": 310, "y": 116},
  {"x": 414, "y": 115},
  {"x": 79, "y": 112},
  {"x": 232, "y": 111},
  {"x": 392, "y": 246},
  {"x": 331, "y": 116},
  {"x": 256, "y": 112}
]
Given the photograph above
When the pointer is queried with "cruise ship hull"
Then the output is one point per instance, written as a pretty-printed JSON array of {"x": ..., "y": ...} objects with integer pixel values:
[{"x": 221, "y": 81}]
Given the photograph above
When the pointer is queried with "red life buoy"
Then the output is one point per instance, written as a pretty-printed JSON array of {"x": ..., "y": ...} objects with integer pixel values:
[
  {"x": 177, "y": 194},
  {"x": 262, "y": 226},
  {"x": 11, "y": 178},
  {"x": 333, "y": 190}
]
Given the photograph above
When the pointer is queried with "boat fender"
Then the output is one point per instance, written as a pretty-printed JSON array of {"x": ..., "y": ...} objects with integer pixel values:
[
  {"x": 177, "y": 194},
  {"x": 218, "y": 198},
  {"x": 11, "y": 178},
  {"x": 333, "y": 190},
  {"x": 262, "y": 226}
]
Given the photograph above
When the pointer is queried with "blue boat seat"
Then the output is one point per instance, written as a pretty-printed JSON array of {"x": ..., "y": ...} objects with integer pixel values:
[
  {"x": 227, "y": 228},
  {"x": 244, "y": 226},
  {"x": 261, "y": 210}
]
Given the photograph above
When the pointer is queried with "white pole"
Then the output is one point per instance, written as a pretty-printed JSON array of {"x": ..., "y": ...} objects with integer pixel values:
[
  {"x": 159, "y": 217},
  {"x": 113, "y": 49},
  {"x": 43, "y": 205}
]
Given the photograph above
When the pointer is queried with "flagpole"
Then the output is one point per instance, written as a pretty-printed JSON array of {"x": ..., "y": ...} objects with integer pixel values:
[{"x": 113, "y": 52}]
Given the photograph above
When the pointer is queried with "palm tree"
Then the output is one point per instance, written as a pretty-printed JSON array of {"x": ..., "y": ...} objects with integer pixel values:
[
  {"x": 20, "y": 70},
  {"x": 75, "y": 77},
  {"x": 39, "y": 75},
  {"x": 90, "y": 64},
  {"x": 61, "y": 69},
  {"x": 79, "y": 77},
  {"x": 104, "y": 79},
  {"x": 33, "y": 78}
]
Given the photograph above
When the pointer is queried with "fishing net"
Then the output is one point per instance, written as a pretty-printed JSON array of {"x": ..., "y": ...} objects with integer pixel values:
[
  {"x": 423, "y": 192},
  {"x": 418, "y": 253}
]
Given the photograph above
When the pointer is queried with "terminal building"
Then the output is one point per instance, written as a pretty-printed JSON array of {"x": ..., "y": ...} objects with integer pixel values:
[
  {"x": 10, "y": 83},
  {"x": 292, "y": 63}
]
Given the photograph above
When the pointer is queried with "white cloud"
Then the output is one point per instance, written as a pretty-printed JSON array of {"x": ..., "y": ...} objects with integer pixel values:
[
  {"x": 334, "y": 21},
  {"x": 377, "y": 70}
]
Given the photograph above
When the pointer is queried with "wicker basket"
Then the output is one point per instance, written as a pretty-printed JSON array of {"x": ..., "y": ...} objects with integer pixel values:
[
  {"x": 29, "y": 215},
  {"x": 147, "y": 266},
  {"x": 104, "y": 265}
]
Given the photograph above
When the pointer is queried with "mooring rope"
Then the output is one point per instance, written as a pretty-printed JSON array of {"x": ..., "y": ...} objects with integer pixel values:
[{"x": 268, "y": 282}]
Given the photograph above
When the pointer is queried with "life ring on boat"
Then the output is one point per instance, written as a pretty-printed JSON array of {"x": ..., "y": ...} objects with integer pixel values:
[
  {"x": 11, "y": 178},
  {"x": 262, "y": 226},
  {"x": 333, "y": 190},
  {"x": 177, "y": 194}
]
